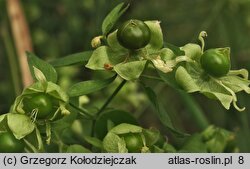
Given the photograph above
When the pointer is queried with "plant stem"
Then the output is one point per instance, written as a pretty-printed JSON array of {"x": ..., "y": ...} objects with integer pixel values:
[
  {"x": 22, "y": 39},
  {"x": 82, "y": 111},
  {"x": 111, "y": 97},
  {"x": 12, "y": 59},
  {"x": 107, "y": 102}
]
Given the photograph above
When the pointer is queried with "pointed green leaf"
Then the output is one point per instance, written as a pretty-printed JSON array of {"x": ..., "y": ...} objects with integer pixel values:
[
  {"x": 112, "y": 17},
  {"x": 112, "y": 143},
  {"x": 125, "y": 128},
  {"x": 183, "y": 77},
  {"x": 89, "y": 86},
  {"x": 105, "y": 56},
  {"x": 236, "y": 83},
  {"x": 72, "y": 59},
  {"x": 130, "y": 70},
  {"x": 20, "y": 125},
  {"x": 48, "y": 70},
  {"x": 166, "y": 54},
  {"x": 156, "y": 41},
  {"x": 192, "y": 50}
]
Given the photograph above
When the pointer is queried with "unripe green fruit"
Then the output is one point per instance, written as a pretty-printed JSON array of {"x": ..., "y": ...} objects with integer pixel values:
[
  {"x": 9, "y": 144},
  {"x": 133, "y": 34},
  {"x": 215, "y": 62},
  {"x": 134, "y": 142}
]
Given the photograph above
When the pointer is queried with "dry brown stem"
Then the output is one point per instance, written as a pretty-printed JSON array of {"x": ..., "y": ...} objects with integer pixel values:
[{"x": 22, "y": 38}]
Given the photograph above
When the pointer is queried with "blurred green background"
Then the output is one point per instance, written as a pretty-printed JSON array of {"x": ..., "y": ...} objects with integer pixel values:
[{"x": 62, "y": 27}]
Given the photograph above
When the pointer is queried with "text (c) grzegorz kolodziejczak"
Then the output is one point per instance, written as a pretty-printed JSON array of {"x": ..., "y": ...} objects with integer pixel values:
[{"x": 79, "y": 160}]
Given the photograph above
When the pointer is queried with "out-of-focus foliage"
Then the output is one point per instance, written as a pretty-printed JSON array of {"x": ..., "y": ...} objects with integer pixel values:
[{"x": 63, "y": 27}]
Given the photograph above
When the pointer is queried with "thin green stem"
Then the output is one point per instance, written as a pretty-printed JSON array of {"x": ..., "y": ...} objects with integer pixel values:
[
  {"x": 111, "y": 97},
  {"x": 82, "y": 111},
  {"x": 107, "y": 102},
  {"x": 11, "y": 58}
]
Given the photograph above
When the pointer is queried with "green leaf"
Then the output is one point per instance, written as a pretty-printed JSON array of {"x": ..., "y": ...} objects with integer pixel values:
[
  {"x": 72, "y": 59},
  {"x": 20, "y": 125},
  {"x": 161, "y": 112},
  {"x": 116, "y": 116},
  {"x": 57, "y": 92},
  {"x": 130, "y": 70},
  {"x": 112, "y": 17},
  {"x": 125, "y": 128},
  {"x": 183, "y": 77},
  {"x": 166, "y": 54},
  {"x": 112, "y": 143},
  {"x": 48, "y": 70},
  {"x": 192, "y": 50},
  {"x": 89, "y": 86},
  {"x": 192, "y": 78},
  {"x": 156, "y": 41},
  {"x": 236, "y": 83},
  {"x": 77, "y": 149},
  {"x": 104, "y": 55}
]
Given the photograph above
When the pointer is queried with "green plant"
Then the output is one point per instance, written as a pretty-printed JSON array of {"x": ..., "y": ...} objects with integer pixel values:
[
  {"x": 133, "y": 142},
  {"x": 133, "y": 34},
  {"x": 216, "y": 61},
  {"x": 41, "y": 102},
  {"x": 49, "y": 118}
]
